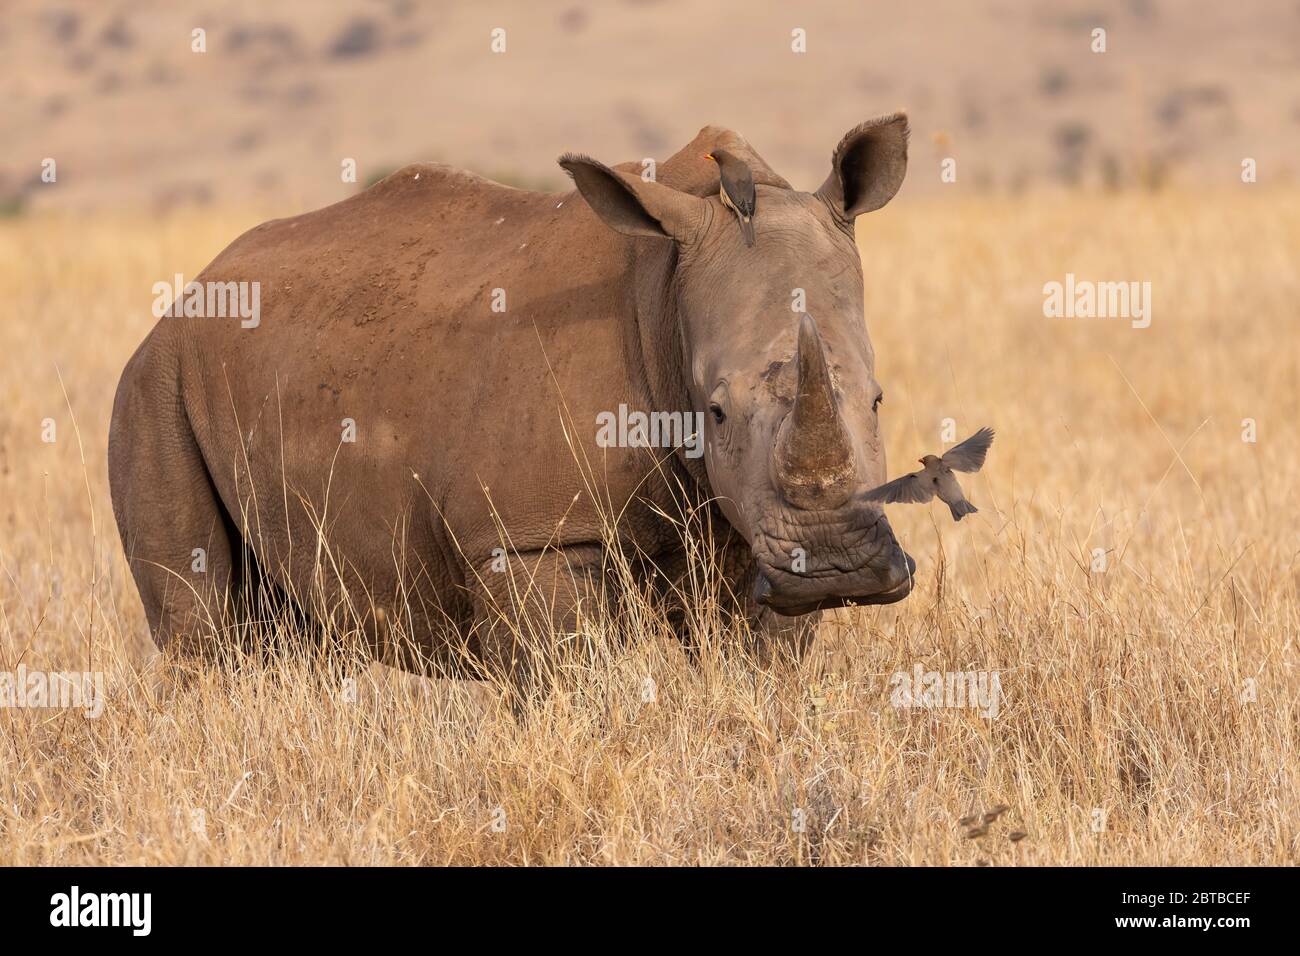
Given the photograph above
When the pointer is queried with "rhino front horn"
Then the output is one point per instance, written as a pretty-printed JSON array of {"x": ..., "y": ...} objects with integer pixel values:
[{"x": 814, "y": 454}]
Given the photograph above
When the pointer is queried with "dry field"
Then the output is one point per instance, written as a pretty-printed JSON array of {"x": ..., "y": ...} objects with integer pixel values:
[{"x": 1149, "y": 711}]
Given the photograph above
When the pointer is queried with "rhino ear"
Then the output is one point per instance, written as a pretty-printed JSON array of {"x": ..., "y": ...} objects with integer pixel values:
[
  {"x": 868, "y": 167},
  {"x": 633, "y": 206}
]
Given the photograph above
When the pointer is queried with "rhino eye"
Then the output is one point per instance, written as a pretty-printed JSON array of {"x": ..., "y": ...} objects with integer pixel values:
[
  {"x": 875, "y": 406},
  {"x": 717, "y": 401}
]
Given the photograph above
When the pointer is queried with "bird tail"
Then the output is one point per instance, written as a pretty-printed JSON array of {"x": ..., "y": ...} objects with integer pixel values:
[
  {"x": 747, "y": 229},
  {"x": 961, "y": 509}
]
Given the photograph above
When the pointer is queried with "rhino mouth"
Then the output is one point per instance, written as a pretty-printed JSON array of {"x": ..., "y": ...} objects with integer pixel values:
[
  {"x": 793, "y": 601},
  {"x": 844, "y": 560}
]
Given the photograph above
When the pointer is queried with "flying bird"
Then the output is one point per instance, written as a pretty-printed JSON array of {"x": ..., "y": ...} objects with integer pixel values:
[
  {"x": 937, "y": 477},
  {"x": 737, "y": 190}
]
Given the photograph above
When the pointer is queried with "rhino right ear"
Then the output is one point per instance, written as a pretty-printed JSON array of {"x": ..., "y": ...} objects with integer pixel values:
[
  {"x": 868, "y": 167},
  {"x": 632, "y": 205}
]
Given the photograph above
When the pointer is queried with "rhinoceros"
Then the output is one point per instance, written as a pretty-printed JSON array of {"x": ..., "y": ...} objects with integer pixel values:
[{"x": 418, "y": 405}]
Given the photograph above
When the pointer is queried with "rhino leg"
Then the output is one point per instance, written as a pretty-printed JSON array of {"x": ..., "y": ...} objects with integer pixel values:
[
  {"x": 526, "y": 609},
  {"x": 778, "y": 637},
  {"x": 772, "y": 635},
  {"x": 173, "y": 527}
]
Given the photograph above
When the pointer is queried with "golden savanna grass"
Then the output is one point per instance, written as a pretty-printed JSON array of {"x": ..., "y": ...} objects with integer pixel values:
[{"x": 1148, "y": 711}]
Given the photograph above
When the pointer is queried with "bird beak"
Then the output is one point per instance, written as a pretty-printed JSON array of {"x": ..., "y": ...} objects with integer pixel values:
[
  {"x": 708, "y": 156},
  {"x": 920, "y": 461}
]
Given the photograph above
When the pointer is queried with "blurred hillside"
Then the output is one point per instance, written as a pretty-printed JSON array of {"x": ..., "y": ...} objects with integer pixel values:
[{"x": 286, "y": 91}]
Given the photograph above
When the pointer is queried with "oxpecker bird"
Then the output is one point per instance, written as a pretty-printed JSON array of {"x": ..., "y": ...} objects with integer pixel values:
[
  {"x": 937, "y": 477},
  {"x": 737, "y": 192}
]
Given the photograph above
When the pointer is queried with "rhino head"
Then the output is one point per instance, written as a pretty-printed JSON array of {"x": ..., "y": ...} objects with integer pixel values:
[{"x": 774, "y": 348}]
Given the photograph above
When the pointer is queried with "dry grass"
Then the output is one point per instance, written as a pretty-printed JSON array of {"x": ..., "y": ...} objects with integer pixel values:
[{"x": 1122, "y": 690}]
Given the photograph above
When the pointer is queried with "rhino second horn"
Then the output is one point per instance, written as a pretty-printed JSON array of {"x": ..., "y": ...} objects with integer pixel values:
[{"x": 814, "y": 454}]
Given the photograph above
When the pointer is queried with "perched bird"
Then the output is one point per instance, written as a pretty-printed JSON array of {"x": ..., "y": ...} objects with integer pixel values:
[
  {"x": 737, "y": 192},
  {"x": 937, "y": 477}
]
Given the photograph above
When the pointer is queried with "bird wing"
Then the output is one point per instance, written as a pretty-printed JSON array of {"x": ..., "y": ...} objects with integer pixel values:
[
  {"x": 737, "y": 183},
  {"x": 747, "y": 197},
  {"x": 740, "y": 194},
  {"x": 910, "y": 489},
  {"x": 969, "y": 455}
]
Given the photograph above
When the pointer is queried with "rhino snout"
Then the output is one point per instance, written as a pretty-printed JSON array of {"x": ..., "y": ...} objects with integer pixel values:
[{"x": 840, "y": 560}]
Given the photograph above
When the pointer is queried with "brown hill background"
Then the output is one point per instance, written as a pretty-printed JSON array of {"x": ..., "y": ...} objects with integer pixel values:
[{"x": 285, "y": 92}]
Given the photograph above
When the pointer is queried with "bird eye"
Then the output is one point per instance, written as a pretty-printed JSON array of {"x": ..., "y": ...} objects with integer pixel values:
[
  {"x": 716, "y": 410},
  {"x": 875, "y": 406}
]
